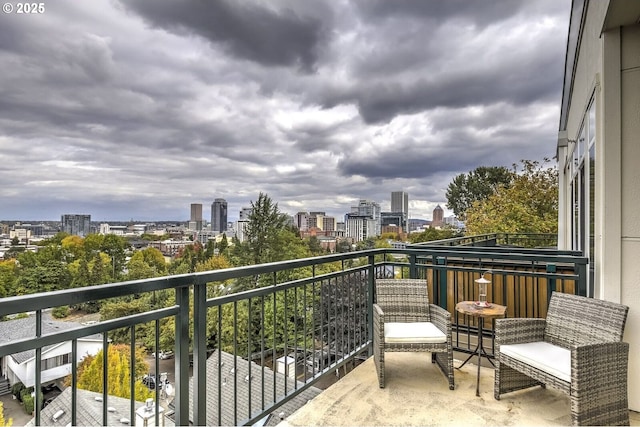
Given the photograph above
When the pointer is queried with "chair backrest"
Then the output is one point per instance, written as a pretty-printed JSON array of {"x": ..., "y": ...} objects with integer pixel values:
[
  {"x": 573, "y": 319},
  {"x": 403, "y": 300}
]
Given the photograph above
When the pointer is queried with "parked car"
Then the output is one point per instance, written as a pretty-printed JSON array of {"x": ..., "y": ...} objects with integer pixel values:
[
  {"x": 149, "y": 380},
  {"x": 164, "y": 354}
]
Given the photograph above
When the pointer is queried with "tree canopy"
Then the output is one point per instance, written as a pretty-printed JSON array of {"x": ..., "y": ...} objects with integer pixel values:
[
  {"x": 119, "y": 373},
  {"x": 477, "y": 185},
  {"x": 528, "y": 205}
]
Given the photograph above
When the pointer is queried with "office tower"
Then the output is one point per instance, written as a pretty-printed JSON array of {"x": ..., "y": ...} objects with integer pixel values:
[
  {"x": 400, "y": 202},
  {"x": 368, "y": 209},
  {"x": 195, "y": 221},
  {"x": 400, "y": 205},
  {"x": 79, "y": 225},
  {"x": 438, "y": 214},
  {"x": 301, "y": 220},
  {"x": 219, "y": 215}
]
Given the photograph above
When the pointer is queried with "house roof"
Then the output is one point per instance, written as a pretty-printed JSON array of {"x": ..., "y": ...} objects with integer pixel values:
[
  {"x": 89, "y": 410},
  {"x": 262, "y": 380},
  {"x": 18, "y": 329}
]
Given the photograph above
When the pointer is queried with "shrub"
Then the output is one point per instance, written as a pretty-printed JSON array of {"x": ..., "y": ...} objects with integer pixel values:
[
  {"x": 17, "y": 389},
  {"x": 60, "y": 312},
  {"x": 27, "y": 399}
]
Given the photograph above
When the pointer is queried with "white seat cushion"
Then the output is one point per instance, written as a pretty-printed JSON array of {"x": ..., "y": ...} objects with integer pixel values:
[
  {"x": 413, "y": 332},
  {"x": 549, "y": 358}
]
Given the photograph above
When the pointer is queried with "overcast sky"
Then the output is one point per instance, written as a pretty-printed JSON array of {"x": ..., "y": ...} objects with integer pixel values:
[{"x": 136, "y": 109}]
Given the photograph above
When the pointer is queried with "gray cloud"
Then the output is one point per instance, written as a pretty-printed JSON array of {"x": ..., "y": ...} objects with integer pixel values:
[{"x": 135, "y": 109}]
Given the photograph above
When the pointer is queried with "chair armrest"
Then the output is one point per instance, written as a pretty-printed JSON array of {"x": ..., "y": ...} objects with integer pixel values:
[
  {"x": 601, "y": 363},
  {"x": 519, "y": 330},
  {"x": 441, "y": 318},
  {"x": 378, "y": 328}
]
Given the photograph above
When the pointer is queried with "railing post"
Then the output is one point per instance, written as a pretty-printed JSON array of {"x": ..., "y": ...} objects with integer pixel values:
[
  {"x": 371, "y": 299},
  {"x": 551, "y": 282},
  {"x": 200, "y": 354},
  {"x": 581, "y": 270},
  {"x": 442, "y": 281},
  {"x": 182, "y": 357},
  {"x": 413, "y": 270}
]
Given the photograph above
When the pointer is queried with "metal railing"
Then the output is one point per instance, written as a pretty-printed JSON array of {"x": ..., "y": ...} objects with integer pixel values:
[{"x": 317, "y": 309}]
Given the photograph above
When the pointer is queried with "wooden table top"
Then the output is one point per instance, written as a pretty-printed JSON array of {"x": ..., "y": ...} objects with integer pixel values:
[{"x": 472, "y": 309}]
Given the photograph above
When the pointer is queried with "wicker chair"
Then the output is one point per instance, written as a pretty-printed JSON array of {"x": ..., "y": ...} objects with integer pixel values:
[
  {"x": 577, "y": 349},
  {"x": 403, "y": 320}
]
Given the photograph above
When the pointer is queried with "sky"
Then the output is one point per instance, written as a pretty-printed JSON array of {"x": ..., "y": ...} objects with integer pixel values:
[{"x": 136, "y": 109}]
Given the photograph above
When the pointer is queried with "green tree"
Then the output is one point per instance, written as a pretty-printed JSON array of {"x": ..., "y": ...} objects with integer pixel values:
[
  {"x": 431, "y": 234},
  {"x": 115, "y": 247},
  {"x": 528, "y": 205},
  {"x": 262, "y": 232},
  {"x": 146, "y": 263},
  {"x": 8, "y": 277},
  {"x": 477, "y": 185}
]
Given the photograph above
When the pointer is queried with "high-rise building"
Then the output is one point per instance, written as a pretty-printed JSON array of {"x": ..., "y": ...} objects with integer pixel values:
[
  {"x": 367, "y": 209},
  {"x": 195, "y": 221},
  {"x": 438, "y": 215},
  {"x": 400, "y": 205},
  {"x": 76, "y": 224},
  {"x": 219, "y": 215},
  {"x": 400, "y": 202}
]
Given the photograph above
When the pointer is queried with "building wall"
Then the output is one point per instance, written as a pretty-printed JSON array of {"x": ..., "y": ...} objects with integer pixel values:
[{"x": 608, "y": 72}]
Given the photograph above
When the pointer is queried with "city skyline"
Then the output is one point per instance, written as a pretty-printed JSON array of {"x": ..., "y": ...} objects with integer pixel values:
[{"x": 135, "y": 109}]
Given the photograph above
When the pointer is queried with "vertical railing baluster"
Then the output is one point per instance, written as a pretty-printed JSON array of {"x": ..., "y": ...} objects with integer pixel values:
[
  {"x": 249, "y": 359},
  {"x": 200, "y": 354},
  {"x": 74, "y": 382},
  {"x": 132, "y": 375},
  {"x": 182, "y": 357},
  {"x": 235, "y": 363},
  {"x": 37, "y": 401},
  {"x": 156, "y": 370},
  {"x": 105, "y": 378}
]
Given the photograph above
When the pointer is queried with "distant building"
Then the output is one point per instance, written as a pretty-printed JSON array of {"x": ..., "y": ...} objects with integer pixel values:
[
  {"x": 76, "y": 224},
  {"x": 301, "y": 220},
  {"x": 195, "y": 221},
  {"x": 363, "y": 221},
  {"x": 438, "y": 216},
  {"x": 245, "y": 213},
  {"x": 219, "y": 216},
  {"x": 400, "y": 205}
]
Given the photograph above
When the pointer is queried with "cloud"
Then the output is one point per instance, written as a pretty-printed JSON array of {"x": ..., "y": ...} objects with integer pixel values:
[{"x": 136, "y": 109}]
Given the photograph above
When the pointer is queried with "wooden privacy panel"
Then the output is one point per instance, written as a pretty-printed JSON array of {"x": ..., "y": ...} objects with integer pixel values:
[{"x": 523, "y": 288}]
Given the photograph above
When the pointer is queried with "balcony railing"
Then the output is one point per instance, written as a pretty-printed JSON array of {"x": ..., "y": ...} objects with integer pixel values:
[{"x": 319, "y": 310}]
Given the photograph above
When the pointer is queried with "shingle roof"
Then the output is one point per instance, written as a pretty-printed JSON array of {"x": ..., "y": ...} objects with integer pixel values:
[
  {"x": 89, "y": 410},
  {"x": 17, "y": 329},
  {"x": 261, "y": 378}
]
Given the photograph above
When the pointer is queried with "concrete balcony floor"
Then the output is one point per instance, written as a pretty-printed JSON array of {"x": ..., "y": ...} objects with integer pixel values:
[{"x": 417, "y": 393}]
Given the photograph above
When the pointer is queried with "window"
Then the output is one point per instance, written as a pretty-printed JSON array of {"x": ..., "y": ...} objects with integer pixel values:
[
  {"x": 582, "y": 189},
  {"x": 54, "y": 362}
]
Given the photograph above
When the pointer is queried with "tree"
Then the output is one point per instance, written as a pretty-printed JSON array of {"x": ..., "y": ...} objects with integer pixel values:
[
  {"x": 8, "y": 277},
  {"x": 528, "y": 205},
  {"x": 148, "y": 262},
  {"x": 119, "y": 373},
  {"x": 477, "y": 185},
  {"x": 431, "y": 234},
  {"x": 4, "y": 422},
  {"x": 265, "y": 223}
]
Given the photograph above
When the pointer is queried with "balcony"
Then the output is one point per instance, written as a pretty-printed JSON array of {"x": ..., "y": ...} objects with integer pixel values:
[{"x": 252, "y": 344}]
